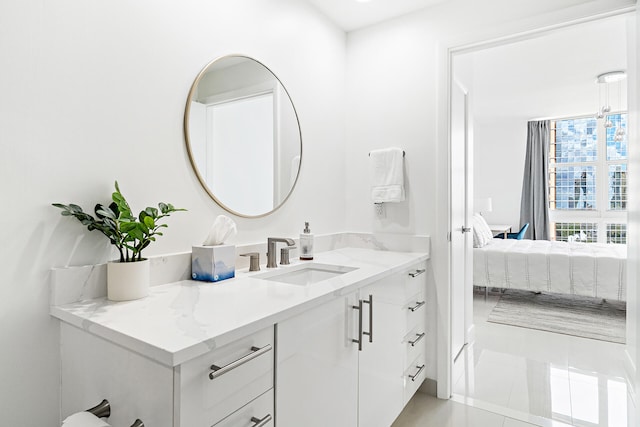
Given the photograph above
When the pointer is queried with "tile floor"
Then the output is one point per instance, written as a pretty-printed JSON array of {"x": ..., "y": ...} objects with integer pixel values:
[
  {"x": 427, "y": 411},
  {"x": 515, "y": 377}
]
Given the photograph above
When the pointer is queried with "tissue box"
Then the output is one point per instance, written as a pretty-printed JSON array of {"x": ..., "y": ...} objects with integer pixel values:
[{"x": 213, "y": 263}]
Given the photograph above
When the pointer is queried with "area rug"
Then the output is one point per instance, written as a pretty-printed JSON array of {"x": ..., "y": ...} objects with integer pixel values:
[{"x": 563, "y": 314}]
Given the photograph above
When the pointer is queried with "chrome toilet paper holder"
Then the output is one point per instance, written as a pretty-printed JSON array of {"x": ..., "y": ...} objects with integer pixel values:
[{"x": 103, "y": 410}]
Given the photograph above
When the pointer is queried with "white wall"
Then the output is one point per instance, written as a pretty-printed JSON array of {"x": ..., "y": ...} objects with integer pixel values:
[
  {"x": 397, "y": 95},
  {"x": 547, "y": 76},
  {"x": 498, "y": 168},
  {"x": 95, "y": 91}
]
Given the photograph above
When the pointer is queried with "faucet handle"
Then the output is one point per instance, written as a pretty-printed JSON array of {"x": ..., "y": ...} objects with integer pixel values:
[
  {"x": 254, "y": 260},
  {"x": 284, "y": 255}
]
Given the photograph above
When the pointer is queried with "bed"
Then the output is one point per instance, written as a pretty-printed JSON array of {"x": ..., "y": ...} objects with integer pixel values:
[{"x": 587, "y": 269}]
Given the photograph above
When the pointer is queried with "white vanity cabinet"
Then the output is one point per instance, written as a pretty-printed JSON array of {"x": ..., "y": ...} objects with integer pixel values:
[
  {"x": 346, "y": 351},
  {"x": 387, "y": 378},
  {"x": 229, "y": 386},
  {"x": 215, "y": 385},
  {"x": 325, "y": 379},
  {"x": 317, "y": 366}
]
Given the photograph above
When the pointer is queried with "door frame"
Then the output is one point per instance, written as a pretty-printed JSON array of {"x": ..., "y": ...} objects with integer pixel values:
[{"x": 446, "y": 54}]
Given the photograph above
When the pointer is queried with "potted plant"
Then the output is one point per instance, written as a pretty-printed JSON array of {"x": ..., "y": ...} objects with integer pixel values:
[{"x": 128, "y": 277}]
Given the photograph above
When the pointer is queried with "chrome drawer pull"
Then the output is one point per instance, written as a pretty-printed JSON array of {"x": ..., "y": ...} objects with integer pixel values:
[
  {"x": 418, "y": 305},
  {"x": 414, "y": 376},
  {"x": 261, "y": 422},
  {"x": 221, "y": 370},
  {"x": 420, "y": 336},
  {"x": 370, "y": 302},
  {"x": 360, "y": 332},
  {"x": 417, "y": 273}
]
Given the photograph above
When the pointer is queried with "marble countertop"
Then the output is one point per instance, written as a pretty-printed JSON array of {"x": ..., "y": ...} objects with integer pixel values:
[{"x": 183, "y": 320}]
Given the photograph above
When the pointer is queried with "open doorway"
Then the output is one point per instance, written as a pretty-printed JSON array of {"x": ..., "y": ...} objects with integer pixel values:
[{"x": 548, "y": 76}]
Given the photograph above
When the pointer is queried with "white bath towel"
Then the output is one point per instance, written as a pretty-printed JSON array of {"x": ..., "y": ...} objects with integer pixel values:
[{"x": 387, "y": 175}]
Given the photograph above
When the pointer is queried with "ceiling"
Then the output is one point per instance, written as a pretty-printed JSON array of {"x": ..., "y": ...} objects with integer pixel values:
[
  {"x": 549, "y": 76},
  {"x": 352, "y": 15}
]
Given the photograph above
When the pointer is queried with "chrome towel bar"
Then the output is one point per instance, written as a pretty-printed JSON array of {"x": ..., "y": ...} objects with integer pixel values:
[{"x": 403, "y": 154}]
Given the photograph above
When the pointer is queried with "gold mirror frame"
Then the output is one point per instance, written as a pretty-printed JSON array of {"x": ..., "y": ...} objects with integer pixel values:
[{"x": 190, "y": 152}]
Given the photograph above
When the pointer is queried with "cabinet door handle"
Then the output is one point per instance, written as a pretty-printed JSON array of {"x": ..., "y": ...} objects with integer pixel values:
[
  {"x": 260, "y": 422},
  {"x": 360, "y": 332},
  {"x": 418, "y": 305},
  {"x": 417, "y": 272},
  {"x": 370, "y": 302},
  {"x": 414, "y": 376},
  {"x": 419, "y": 337},
  {"x": 217, "y": 371}
]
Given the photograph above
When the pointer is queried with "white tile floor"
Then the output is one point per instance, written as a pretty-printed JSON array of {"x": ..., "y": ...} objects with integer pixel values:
[
  {"x": 515, "y": 377},
  {"x": 427, "y": 411}
]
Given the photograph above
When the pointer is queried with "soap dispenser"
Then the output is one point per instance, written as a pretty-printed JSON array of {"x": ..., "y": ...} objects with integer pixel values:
[{"x": 306, "y": 243}]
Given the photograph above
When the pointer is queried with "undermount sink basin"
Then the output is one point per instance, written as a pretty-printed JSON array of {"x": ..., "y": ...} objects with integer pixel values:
[{"x": 305, "y": 274}]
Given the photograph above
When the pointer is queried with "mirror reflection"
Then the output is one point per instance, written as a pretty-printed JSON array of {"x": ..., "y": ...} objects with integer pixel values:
[{"x": 243, "y": 136}]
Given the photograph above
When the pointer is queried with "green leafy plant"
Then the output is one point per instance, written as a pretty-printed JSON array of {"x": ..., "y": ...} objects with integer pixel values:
[{"x": 128, "y": 233}]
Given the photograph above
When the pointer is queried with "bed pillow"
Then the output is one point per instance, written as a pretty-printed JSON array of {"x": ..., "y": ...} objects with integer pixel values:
[
  {"x": 482, "y": 235},
  {"x": 485, "y": 229},
  {"x": 479, "y": 239}
]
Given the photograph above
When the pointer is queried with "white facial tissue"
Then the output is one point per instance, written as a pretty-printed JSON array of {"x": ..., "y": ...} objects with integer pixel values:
[
  {"x": 223, "y": 229},
  {"x": 213, "y": 261}
]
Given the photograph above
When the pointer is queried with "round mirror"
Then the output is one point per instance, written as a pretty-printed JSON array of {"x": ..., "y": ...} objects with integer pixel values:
[{"x": 243, "y": 136}]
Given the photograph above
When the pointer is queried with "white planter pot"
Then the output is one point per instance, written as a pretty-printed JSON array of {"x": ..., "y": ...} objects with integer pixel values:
[{"x": 127, "y": 280}]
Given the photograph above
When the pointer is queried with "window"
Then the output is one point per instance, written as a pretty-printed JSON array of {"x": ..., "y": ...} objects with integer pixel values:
[
  {"x": 576, "y": 232},
  {"x": 588, "y": 179},
  {"x": 616, "y": 233}
]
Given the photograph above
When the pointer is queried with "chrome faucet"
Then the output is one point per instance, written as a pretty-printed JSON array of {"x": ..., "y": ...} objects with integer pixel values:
[{"x": 271, "y": 249}]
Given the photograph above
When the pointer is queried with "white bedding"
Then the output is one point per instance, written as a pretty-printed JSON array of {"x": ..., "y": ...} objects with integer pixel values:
[{"x": 588, "y": 269}]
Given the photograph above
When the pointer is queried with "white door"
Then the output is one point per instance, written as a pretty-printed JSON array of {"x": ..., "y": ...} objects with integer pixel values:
[
  {"x": 317, "y": 367},
  {"x": 381, "y": 383},
  {"x": 461, "y": 238}
]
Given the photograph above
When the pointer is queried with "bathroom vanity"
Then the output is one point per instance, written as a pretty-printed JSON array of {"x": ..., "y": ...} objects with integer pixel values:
[{"x": 339, "y": 341}]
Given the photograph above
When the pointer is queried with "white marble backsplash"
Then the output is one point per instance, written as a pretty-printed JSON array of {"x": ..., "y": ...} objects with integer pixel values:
[{"x": 72, "y": 284}]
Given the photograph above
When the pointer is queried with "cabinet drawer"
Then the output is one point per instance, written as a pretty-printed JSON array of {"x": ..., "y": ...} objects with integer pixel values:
[
  {"x": 415, "y": 311},
  {"x": 417, "y": 336},
  {"x": 414, "y": 375},
  {"x": 398, "y": 288},
  {"x": 206, "y": 395},
  {"x": 258, "y": 412},
  {"x": 415, "y": 279}
]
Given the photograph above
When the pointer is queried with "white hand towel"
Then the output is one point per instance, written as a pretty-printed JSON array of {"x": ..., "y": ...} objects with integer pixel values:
[
  {"x": 84, "y": 419},
  {"x": 387, "y": 175}
]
